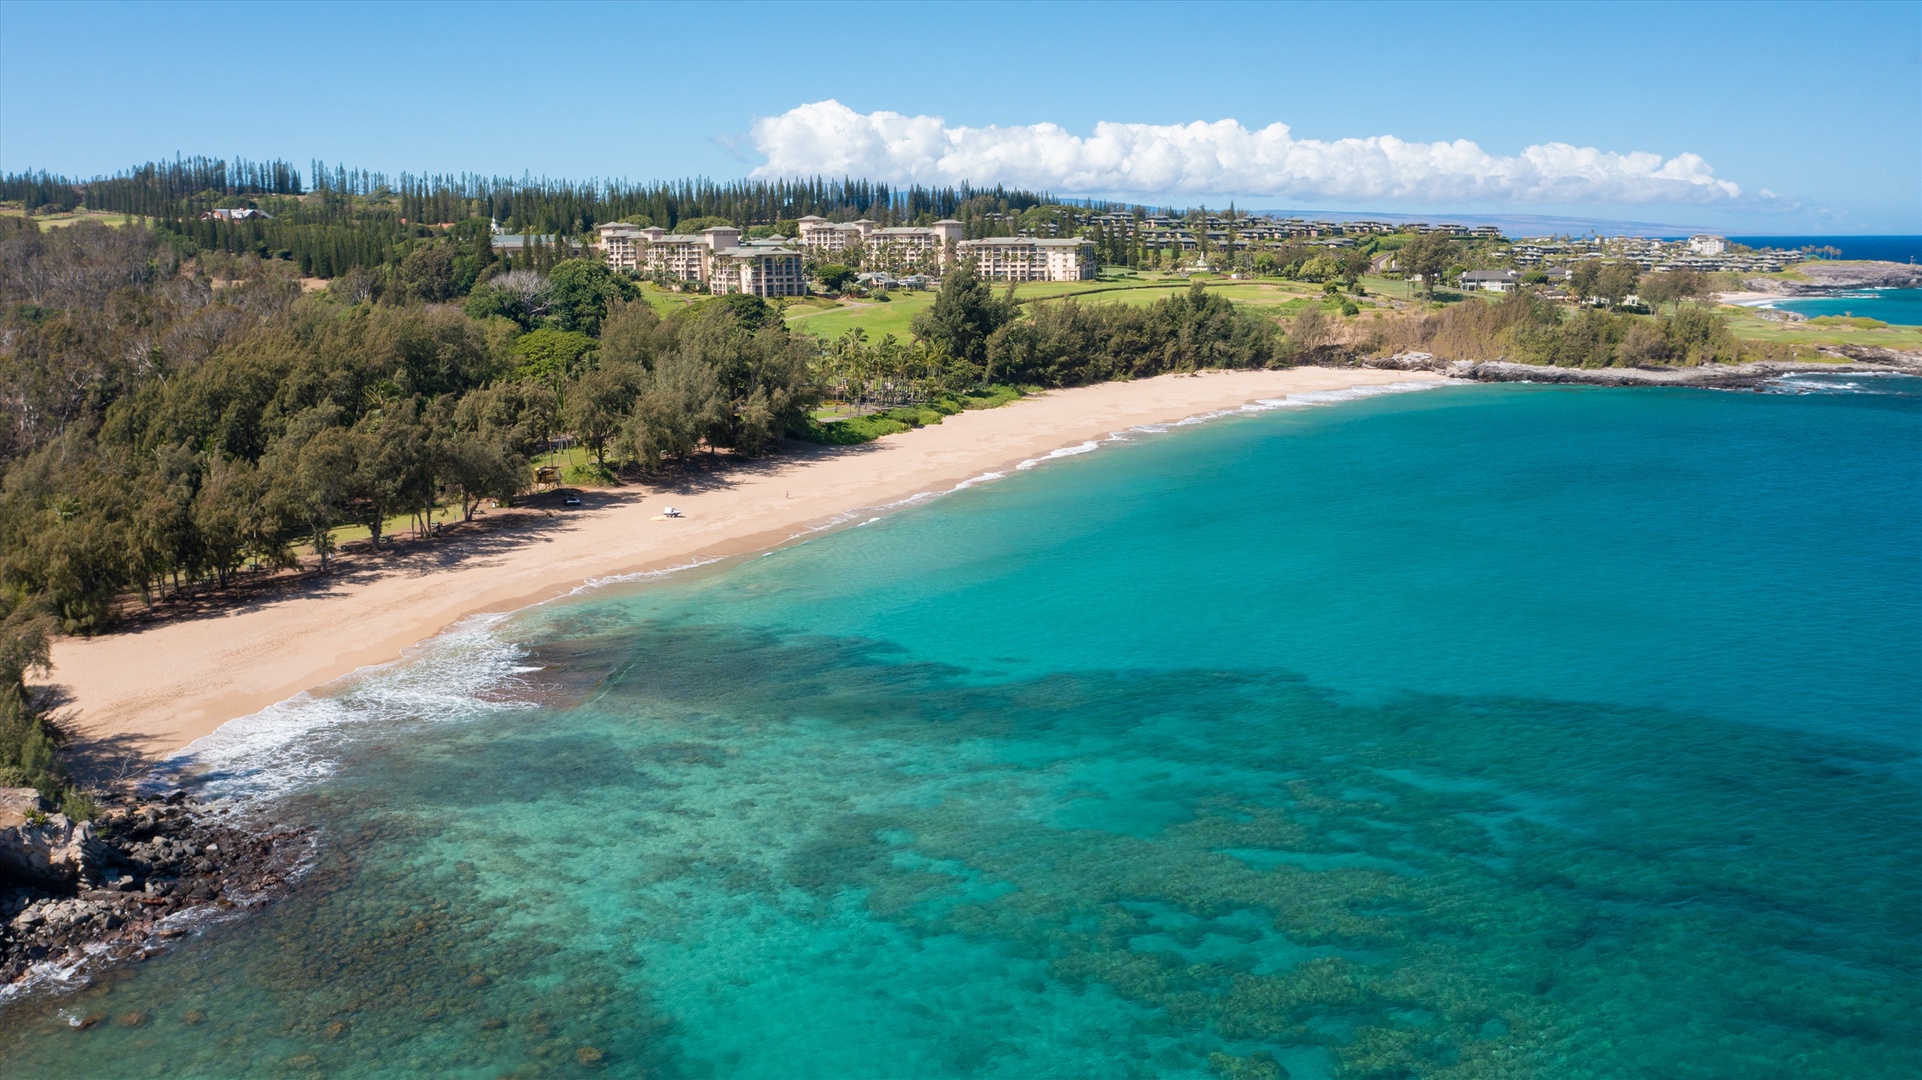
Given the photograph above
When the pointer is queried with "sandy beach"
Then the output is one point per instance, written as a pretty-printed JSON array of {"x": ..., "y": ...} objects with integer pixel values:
[
  {"x": 155, "y": 689},
  {"x": 1751, "y": 299}
]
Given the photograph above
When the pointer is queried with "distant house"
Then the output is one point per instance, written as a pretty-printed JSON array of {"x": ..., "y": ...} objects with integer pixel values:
[
  {"x": 1707, "y": 245},
  {"x": 245, "y": 213},
  {"x": 520, "y": 243},
  {"x": 1491, "y": 280}
]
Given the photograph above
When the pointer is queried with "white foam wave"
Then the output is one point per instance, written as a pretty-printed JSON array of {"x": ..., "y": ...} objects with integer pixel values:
[
  {"x": 64, "y": 972},
  {"x": 467, "y": 671},
  {"x": 1066, "y": 451},
  {"x": 984, "y": 478},
  {"x": 1877, "y": 383},
  {"x": 639, "y": 575},
  {"x": 1304, "y": 399}
]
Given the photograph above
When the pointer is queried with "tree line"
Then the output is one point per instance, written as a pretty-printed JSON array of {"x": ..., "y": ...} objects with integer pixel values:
[{"x": 162, "y": 433}]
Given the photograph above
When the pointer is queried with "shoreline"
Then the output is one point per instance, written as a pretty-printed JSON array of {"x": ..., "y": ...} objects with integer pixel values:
[
  {"x": 1851, "y": 359},
  {"x": 150, "y": 692}
]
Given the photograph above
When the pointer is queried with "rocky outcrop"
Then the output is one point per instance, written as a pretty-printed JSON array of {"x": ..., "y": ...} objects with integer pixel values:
[
  {"x": 1822, "y": 278},
  {"x": 39, "y": 845},
  {"x": 1720, "y": 376},
  {"x": 149, "y": 868}
]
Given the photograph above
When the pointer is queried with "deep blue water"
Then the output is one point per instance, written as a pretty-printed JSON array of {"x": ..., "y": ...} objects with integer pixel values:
[
  {"x": 1883, "y": 248},
  {"x": 1902, "y": 307},
  {"x": 1488, "y": 731}
]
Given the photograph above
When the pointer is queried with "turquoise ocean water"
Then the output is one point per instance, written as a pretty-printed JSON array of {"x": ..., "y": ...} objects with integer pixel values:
[
  {"x": 1902, "y": 307},
  {"x": 1485, "y": 731}
]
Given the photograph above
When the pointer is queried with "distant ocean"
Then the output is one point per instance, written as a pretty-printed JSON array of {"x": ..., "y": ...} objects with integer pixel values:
[
  {"x": 1482, "y": 731},
  {"x": 1882, "y": 248}
]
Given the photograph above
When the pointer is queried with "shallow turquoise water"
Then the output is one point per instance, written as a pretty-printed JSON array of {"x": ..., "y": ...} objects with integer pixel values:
[
  {"x": 1903, "y": 307},
  {"x": 1479, "y": 732}
]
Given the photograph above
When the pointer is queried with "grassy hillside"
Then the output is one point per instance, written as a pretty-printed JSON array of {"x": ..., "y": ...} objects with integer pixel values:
[{"x": 55, "y": 221}]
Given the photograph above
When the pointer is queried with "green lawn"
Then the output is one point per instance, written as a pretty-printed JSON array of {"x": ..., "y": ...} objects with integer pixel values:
[
  {"x": 664, "y": 301},
  {"x": 55, "y": 221},
  {"x": 578, "y": 468},
  {"x": 878, "y": 319},
  {"x": 1394, "y": 288},
  {"x": 1749, "y": 324},
  {"x": 1268, "y": 297}
]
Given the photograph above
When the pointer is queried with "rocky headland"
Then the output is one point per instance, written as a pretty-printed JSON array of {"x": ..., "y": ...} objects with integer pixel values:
[
  {"x": 1853, "y": 359},
  {"x": 78, "y": 894},
  {"x": 1823, "y": 278}
]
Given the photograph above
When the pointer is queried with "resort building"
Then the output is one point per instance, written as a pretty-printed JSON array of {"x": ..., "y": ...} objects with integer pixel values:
[
  {"x": 912, "y": 248},
  {"x": 684, "y": 256},
  {"x": 758, "y": 268},
  {"x": 818, "y": 234},
  {"x": 621, "y": 246},
  {"x": 895, "y": 249},
  {"x": 713, "y": 260},
  {"x": 1707, "y": 245},
  {"x": 1028, "y": 258},
  {"x": 511, "y": 244}
]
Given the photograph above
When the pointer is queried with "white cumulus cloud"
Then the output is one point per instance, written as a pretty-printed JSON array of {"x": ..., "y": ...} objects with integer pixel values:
[{"x": 827, "y": 138}]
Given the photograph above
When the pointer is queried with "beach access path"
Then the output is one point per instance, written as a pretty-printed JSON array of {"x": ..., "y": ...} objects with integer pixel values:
[{"x": 151, "y": 690}]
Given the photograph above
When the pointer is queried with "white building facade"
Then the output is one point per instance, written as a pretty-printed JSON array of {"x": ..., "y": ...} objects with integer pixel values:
[
  {"x": 888, "y": 249},
  {"x": 1028, "y": 258},
  {"x": 758, "y": 269},
  {"x": 713, "y": 260}
]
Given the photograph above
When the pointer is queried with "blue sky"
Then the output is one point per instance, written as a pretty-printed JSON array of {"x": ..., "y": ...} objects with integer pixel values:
[{"x": 1742, "y": 117}]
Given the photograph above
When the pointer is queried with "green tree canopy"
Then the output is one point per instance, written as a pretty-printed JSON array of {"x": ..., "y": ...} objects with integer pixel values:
[
  {"x": 834, "y": 276},
  {"x": 551, "y": 356},
  {"x": 579, "y": 292},
  {"x": 964, "y": 315},
  {"x": 696, "y": 224},
  {"x": 1428, "y": 256}
]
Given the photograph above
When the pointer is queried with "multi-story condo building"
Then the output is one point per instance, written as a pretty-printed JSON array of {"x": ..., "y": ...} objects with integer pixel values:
[
  {"x": 684, "y": 256},
  {"x": 883, "y": 249},
  {"x": 714, "y": 260},
  {"x": 758, "y": 268},
  {"x": 1028, "y": 258},
  {"x": 908, "y": 249},
  {"x": 818, "y": 234},
  {"x": 653, "y": 249},
  {"x": 621, "y": 245}
]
